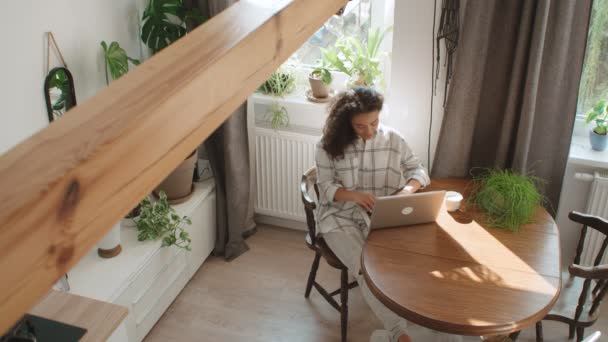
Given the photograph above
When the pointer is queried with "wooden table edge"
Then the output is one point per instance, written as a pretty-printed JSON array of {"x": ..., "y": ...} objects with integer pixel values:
[
  {"x": 458, "y": 329},
  {"x": 120, "y": 313}
]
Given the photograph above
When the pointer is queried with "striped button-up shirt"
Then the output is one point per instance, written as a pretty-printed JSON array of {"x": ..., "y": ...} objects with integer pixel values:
[{"x": 380, "y": 166}]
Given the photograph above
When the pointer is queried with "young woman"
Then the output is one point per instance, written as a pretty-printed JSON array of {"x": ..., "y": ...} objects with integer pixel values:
[{"x": 357, "y": 160}]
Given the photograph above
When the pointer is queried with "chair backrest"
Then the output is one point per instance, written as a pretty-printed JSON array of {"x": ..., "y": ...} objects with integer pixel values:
[
  {"x": 595, "y": 273},
  {"x": 307, "y": 184}
]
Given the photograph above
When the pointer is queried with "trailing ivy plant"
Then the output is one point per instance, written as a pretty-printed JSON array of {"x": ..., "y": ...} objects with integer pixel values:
[
  {"x": 158, "y": 220},
  {"x": 164, "y": 22},
  {"x": 277, "y": 115},
  {"x": 280, "y": 83},
  {"x": 116, "y": 60},
  {"x": 507, "y": 199}
]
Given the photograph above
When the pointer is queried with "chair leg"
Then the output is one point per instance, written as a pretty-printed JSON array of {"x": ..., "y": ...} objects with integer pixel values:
[
  {"x": 570, "y": 331},
  {"x": 514, "y": 335},
  {"x": 313, "y": 274},
  {"x": 580, "y": 333},
  {"x": 344, "y": 303},
  {"x": 539, "y": 331}
]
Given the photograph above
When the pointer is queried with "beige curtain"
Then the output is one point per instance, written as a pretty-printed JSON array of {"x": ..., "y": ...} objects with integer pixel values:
[{"x": 512, "y": 98}]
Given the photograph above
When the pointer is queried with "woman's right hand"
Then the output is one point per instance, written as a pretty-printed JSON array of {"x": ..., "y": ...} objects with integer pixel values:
[{"x": 365, "y": 200}]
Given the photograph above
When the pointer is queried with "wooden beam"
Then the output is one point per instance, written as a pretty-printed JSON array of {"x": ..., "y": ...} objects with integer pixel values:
[{"x": 64, "y": 187}]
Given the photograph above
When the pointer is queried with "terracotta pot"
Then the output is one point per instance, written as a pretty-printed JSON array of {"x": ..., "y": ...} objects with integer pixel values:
[
  {"x": 178, "y": 185},
  {"x": 319, "y": 90}
]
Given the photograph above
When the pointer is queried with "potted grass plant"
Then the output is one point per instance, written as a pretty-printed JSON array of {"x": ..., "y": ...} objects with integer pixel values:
[
  {"x": 507, "y": 199},
  {"x": 280, "y": 83},
  {"x": 598, "y": 135}
]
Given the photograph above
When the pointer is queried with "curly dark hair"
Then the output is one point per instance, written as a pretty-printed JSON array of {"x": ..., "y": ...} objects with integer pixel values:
[{"x": 338, "y": 131}]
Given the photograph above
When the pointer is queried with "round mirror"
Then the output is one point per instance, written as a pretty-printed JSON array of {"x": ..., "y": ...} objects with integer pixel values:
[{"x": 59, "y": 92}]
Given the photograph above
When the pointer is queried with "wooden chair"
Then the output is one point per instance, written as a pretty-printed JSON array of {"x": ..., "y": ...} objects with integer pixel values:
[
  {"x": 318, "y": 245},
  {"x": 576, "y": 306}
]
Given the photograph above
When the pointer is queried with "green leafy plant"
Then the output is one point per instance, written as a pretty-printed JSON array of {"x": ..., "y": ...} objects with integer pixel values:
[
  {"x": 322, "y": 73},
  {"x": 277, "y": 115},
  {"x": 62, "y": 103},
  {"x": 164, "y": 22},
  {"x": 599, "y": 114},
  {"x": 116, "y": 60},
  {"x": 507, "y": 199},
  {"x": 280, "y": 83},
  {"x": 158, "y": 220},
  {"x": 360, "y": 62}
]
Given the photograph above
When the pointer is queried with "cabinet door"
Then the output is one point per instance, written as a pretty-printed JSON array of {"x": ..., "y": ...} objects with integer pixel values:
[{"x": 202, "y": 232}]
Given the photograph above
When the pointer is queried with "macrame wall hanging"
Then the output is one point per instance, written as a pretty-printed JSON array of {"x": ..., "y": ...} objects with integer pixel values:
[{"x": 449, "y": 26}]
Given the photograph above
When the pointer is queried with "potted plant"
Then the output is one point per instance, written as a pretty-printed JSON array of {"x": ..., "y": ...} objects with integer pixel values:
[
  {"x": 360, "y": 63},
  {"x": 280, "y": 83},
  {"x": 164, "y": 22},
  {"x": 319, "y": 79},
  {"x": 116, "y": 60},
  {"x": 507, "y": 199},
  {"x": 598, "y": 136},
  {"x": 158, "y": 220}
]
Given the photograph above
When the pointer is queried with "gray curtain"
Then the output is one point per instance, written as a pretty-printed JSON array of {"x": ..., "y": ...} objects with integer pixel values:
[
  {"x": 512, "y": 98},
  {"x": 228, "y": 152}
]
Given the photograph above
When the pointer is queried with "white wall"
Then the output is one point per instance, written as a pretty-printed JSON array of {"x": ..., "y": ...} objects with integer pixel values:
[
  {"x": 78, "y": 27},
  {"x": 411, "y": 77}
]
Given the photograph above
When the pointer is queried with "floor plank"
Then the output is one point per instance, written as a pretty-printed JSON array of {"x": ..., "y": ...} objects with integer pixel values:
[{"x": 260, "y": 297}]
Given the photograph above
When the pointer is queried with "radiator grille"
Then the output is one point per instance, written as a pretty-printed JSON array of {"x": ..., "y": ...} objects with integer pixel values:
[
  {"x": 281, "y": 159},
  {"x": 597, "y": 205}
]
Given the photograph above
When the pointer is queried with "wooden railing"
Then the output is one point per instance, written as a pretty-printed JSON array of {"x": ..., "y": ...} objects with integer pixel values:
[{"x": 64, "y": 187}]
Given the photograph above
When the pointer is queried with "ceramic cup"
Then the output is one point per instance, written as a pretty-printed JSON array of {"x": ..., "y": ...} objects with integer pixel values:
[{"x": 453, "y": 200}]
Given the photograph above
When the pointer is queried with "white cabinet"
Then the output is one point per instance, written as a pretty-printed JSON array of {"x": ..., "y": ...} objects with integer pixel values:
[{"x": 145, "y": 277}]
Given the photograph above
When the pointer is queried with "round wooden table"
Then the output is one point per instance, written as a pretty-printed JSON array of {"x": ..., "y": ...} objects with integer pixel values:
[{"x": 458, "y": 277}]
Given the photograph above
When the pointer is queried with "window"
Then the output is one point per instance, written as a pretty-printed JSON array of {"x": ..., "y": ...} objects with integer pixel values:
[
  {"x": 355, "y": 21},
  {"x": 594, "y": 81}
]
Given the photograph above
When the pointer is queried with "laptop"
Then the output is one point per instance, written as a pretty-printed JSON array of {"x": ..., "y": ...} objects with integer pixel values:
[{"x": 405, "y": 210}]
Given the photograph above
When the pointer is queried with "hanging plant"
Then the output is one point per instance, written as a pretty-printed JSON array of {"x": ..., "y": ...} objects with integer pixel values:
[
  {"x": 116, "y": 60},
  {"x": 507, "y": 199},
  {"x": 277, "y": 116}
]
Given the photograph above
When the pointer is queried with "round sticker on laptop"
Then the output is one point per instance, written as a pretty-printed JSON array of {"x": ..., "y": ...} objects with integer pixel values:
[{"x": 407, "y": 210}]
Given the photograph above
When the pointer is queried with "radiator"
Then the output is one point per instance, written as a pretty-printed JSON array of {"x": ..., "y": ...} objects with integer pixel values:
[
  {"x": 281, "y": 158},
  {"x": 597, "y": 205}
]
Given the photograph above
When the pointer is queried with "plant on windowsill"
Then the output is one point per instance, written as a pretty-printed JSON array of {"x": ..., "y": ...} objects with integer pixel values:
[
  {"x": 280, "y": 83},
  {"x": 158, "y": 220},
  {"x": 598, "y": 135},
  {"x": 277, "y": 116},
  {"x": 319, "y": 79},
  {"x": 360, "y": 62},
  {"x": 507, "y": 199}
]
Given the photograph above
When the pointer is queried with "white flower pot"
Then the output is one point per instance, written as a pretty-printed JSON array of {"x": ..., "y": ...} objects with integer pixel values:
[{"x": 109, "y": 246}]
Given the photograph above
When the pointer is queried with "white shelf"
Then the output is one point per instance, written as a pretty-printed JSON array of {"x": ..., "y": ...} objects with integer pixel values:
[
  {"x": 582, "y": 154},
  {"x": 106, "y": 279}
]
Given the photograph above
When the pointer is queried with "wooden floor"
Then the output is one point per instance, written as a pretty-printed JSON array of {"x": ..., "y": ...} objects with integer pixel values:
[{"x": 260, "y": 297}]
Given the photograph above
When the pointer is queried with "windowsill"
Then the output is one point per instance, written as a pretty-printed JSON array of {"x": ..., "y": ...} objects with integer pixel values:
[{"x": 582, "y": 154}]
